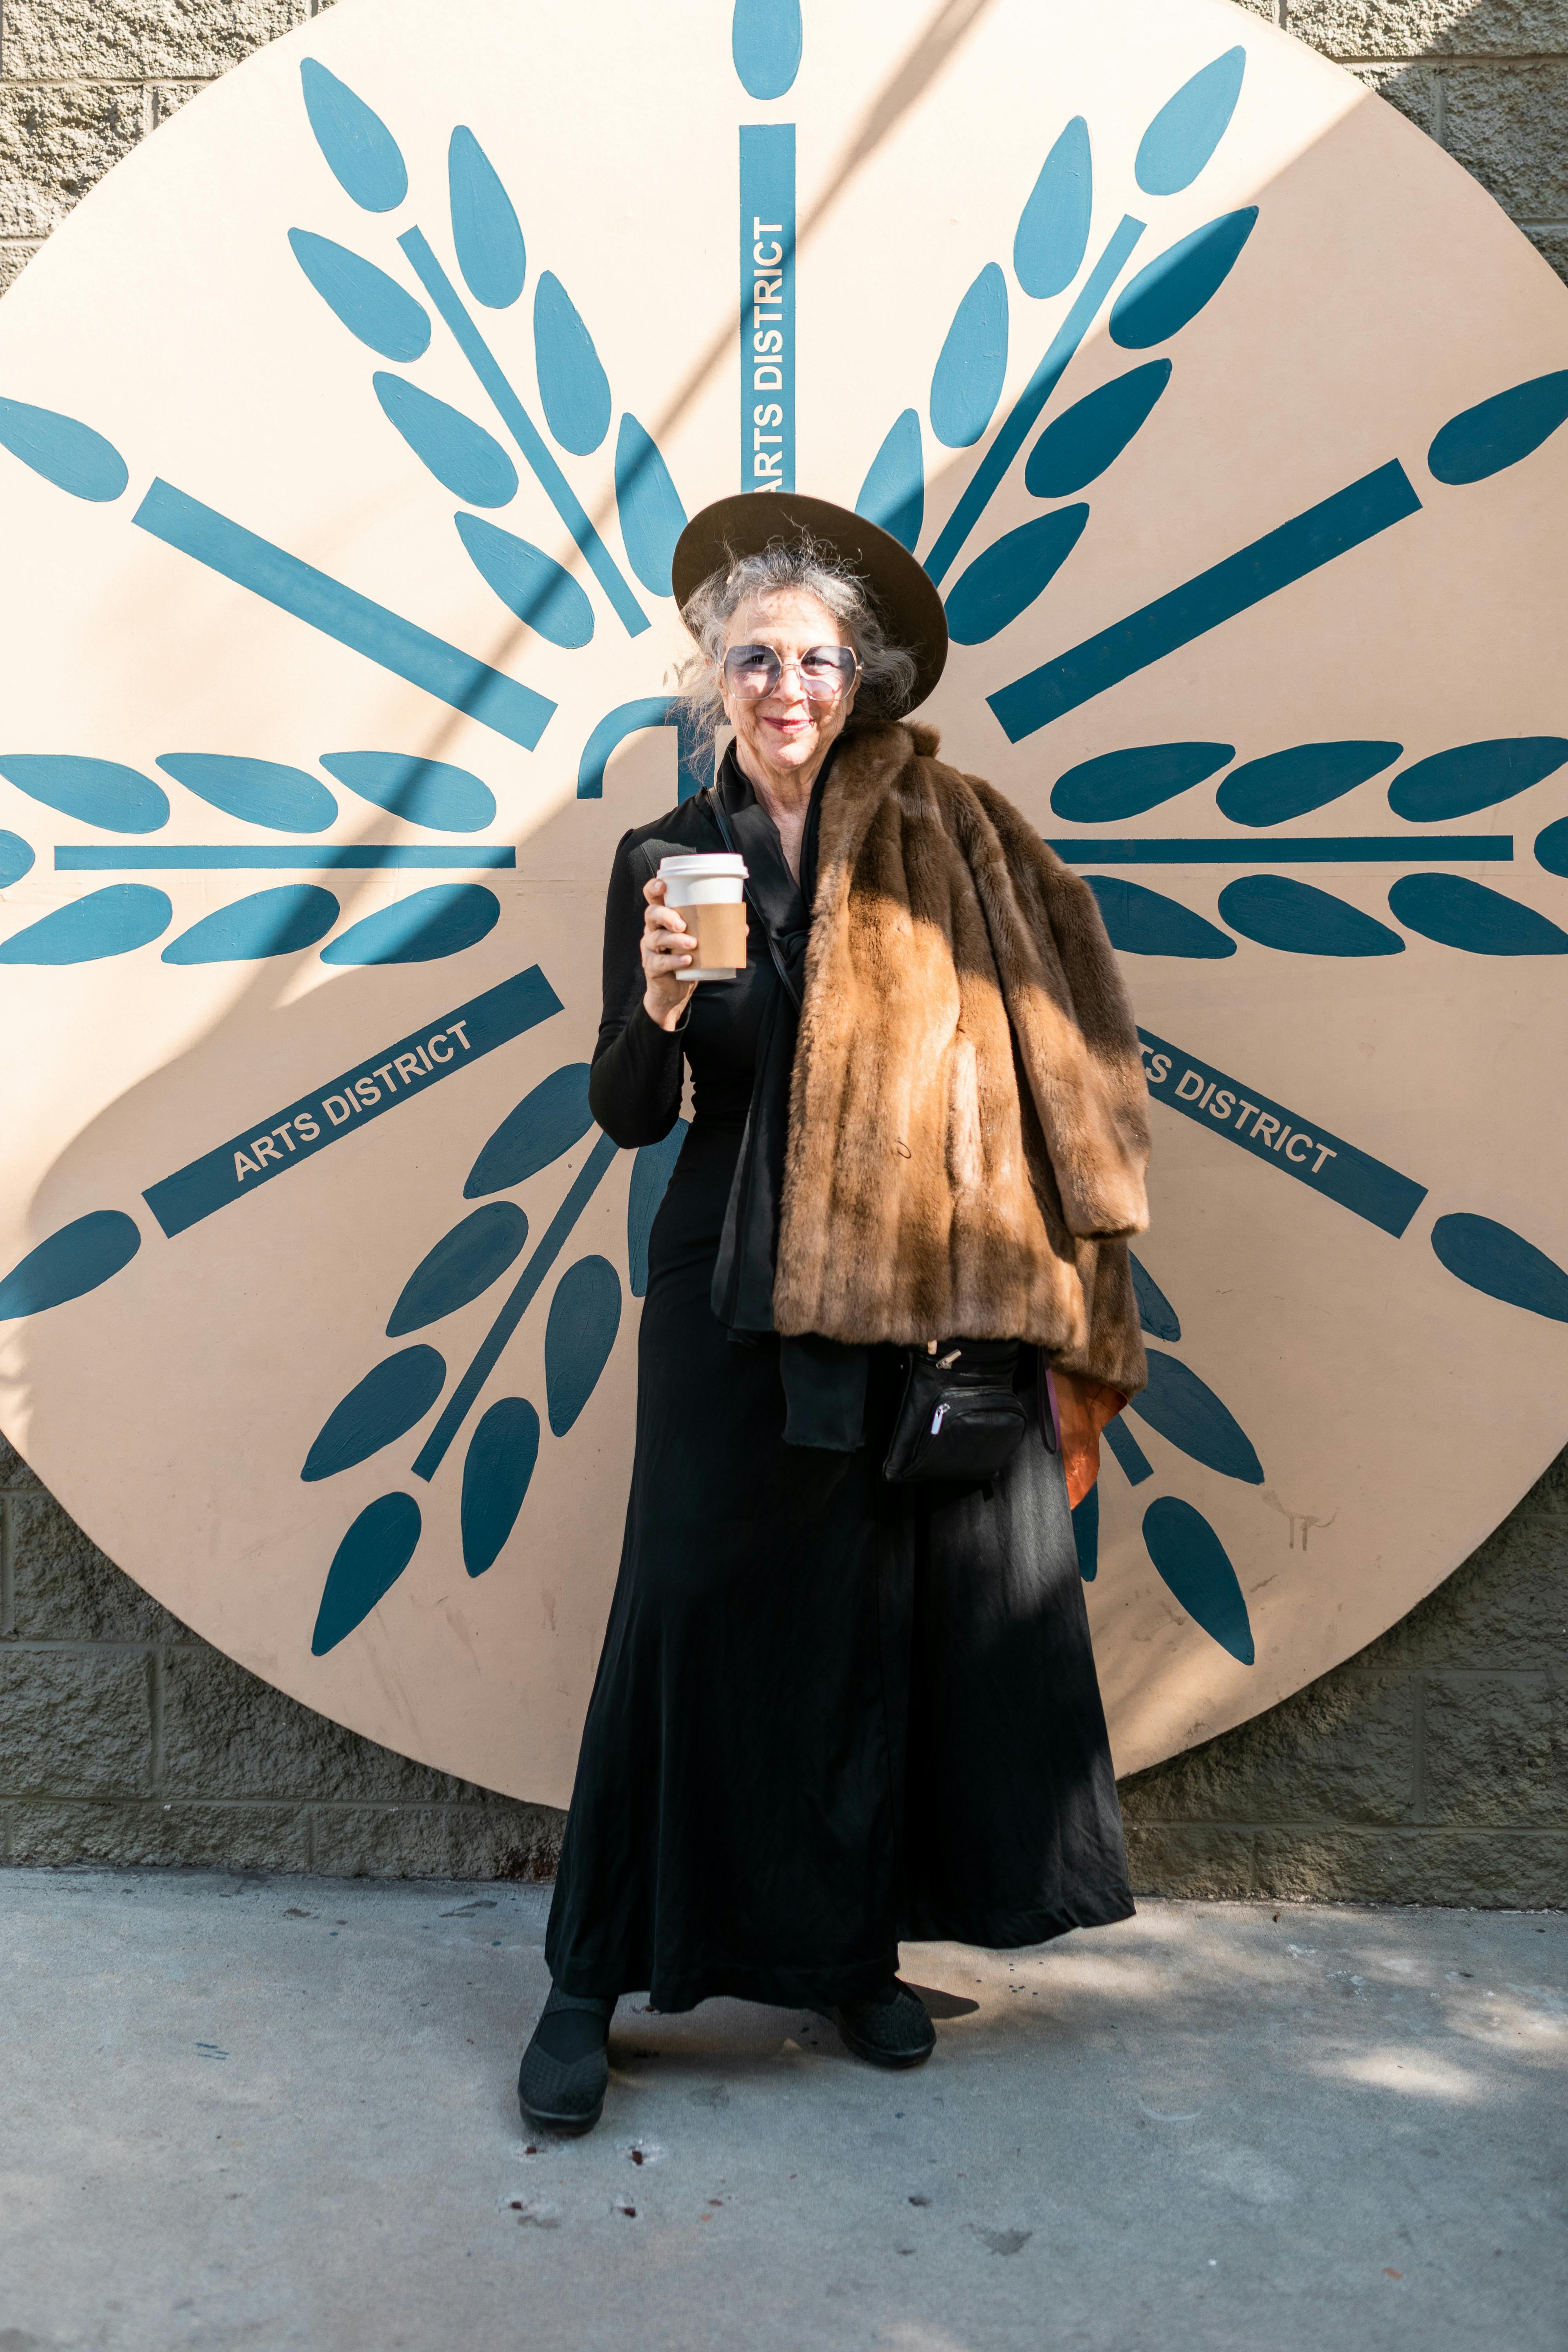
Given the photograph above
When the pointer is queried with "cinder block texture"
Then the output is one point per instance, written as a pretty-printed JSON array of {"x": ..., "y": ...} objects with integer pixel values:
[
  {"x": 136, "y": 40},
  {"x": 1511, "y": 131},
  {"x": 1406, "y": 28}
]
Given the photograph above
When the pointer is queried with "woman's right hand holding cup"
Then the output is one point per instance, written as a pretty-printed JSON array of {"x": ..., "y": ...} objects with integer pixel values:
[{"x": 668, "y": 948}]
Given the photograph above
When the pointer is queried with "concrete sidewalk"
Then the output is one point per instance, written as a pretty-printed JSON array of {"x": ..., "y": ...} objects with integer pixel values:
[{"x": 280, "y": 2113}]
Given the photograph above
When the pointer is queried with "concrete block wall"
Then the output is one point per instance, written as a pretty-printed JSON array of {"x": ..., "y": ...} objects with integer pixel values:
[{"x": 1431, "y": 1769}]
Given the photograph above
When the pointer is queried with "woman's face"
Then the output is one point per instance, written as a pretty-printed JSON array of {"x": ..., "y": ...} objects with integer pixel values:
[{"x": 789, "y": 731}]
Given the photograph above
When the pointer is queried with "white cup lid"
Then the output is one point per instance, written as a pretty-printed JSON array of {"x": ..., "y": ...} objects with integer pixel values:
[{"x": 712, "y": 864}]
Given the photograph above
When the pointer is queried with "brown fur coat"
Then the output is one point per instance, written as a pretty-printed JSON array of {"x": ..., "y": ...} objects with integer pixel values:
[{"x": 968, "y": 1126}]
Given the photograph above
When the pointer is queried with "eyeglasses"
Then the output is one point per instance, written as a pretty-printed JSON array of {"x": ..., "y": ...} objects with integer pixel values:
[{"x": 826, "y": 672}]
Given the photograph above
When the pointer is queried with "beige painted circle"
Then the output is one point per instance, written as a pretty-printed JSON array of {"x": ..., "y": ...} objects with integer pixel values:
[{"x": 1395, "y": 1412}]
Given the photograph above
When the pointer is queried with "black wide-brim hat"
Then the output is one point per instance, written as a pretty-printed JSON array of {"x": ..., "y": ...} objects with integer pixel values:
[{"x": 906, "y": 601}]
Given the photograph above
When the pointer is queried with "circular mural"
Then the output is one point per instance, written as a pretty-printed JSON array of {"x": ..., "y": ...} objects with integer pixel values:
[{"x": 346, "y": 433}]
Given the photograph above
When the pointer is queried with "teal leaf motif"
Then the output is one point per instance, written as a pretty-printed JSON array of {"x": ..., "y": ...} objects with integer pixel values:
[
  {"x": 368, "y": 1563},
  {"x": 529, "y": 582},
  {"x": 1006, "y": 580},
  {"x": 364, "y": 298},
  {"x": 1285, "y": 784},
  {"x": 585, "y": 1317},
  {"x": 385, "y": 1405},
  {"x": 893, "y": 492},
  {"x": 70, "y": 1263},
  {"x": 652, "y": 516},
  {"x": 72, "y": 455},
  {"x": 420, "y": 929},
  {"x": 1297, "y": 919},
  {"x": 268, "y": 923},
  {"x": 765, "y": 44},
  {"x": 1053, "y": 227},
  {"x": 1491, "y": 1258},
  {"x": 15, "y": 858},
  {"x": 1126, "y": 783},
  {"x": 485, "y": 228},
  {"x": 1474, "y": 776},
  {"x": 1194, "y": 1563},
  {"x": 1140, "y": 921},
  {"x": 361, "y": 151},
  {"x": 1189, "y": 127},
  {"x": 546, "y": 1123},
  {"x": 95, "y": 792},
  {"x": 572, "y": 383},
  {"x": 651, "y": 1171},
  {"x": 972, "y": 362},
  {"x": 1189, "y": 1416},
  {"x": 460, "y": 1269},
  {"x": 496, "y": 1475},
  {"x": 1457, "y": 913},
  {"x": 1497, "y": 433},
  {"x": 1169, "y": 292},
  {"x": 464, "y": 457},
  {"x": 256, "y": 792},
  {"x": 1086, "y": 1534},
  {"x": 1078, "y": 445},
  {"x": 110, "y": 922},
  {"x": 1155, "y": 1312},
  {"x": 422, "y": 791}
]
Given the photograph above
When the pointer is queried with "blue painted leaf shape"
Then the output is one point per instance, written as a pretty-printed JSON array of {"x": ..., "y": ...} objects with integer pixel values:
[
  {"x": 529, "y": 582},
  {"x": 585, "y": 1317},
  {"x": 1078, "y": 445},
  {"x": 268, "y": 923},
  {"x": 1189, "y": 1415},
  {"x": 361, "y": 151},
  {"x": 422, "y": 791},
  {"x": 572, "y": 383},
  {"x": 364, "y": 298},
  {"x": 1053, "y": 227},
  {"x": 1140, "y": 921},
  {"x": 70, "y": 1263},
  {"x": 485, "y": 229},
  {"x": 1299, "y": 919},
  {"x": 967, "y": 381},
  {"x": 1194, "y": 1563},
  {"x": 15, "y": 858},
  {"x": 652, "y": 516},
  {"x": 893, "y": 493},
  {"x": 384, "y": 1405},
  {"x": 1474, "y": 776},
  {"x": 1502, "y": 1263},
  {"x": 110, "y": 922},
  {"x": 1005, "y": 581},
  {"x": 1457, "y": 913},
  {"x": 1135, "y": 1463},
  {"x": 1124, "y": 783},
  {"x": 548, "y": 1122},
  {"x": 368, "y": 1563},
  {"x": 1189, "y": 127},
  {"x": 1086, "y": 1534},
  {"x": 496, "y": 1475},
  {"x": 765, "y": 45},
  {"x": 460, "y": 1269},
  {"x": 1285, "y": 784},
  {"x": 1169, "y": 292},
  {"x": 256, "y": 792},
  {"x": 70, "y": 455},
  {"x": 651, "y": 1171},
  {"x": 95, "y": 792},
  {"x": 1497, "y": 433},
  {"x": 464, "y": 457},
  {"x": 1155, "y": 1312},
  {"x": 420, "y": 929},
  {"x": 1551, "y": 848}
]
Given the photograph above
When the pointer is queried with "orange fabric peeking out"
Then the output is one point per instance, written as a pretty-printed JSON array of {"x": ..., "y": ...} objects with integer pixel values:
[{"x": 1085, "y": 1407}]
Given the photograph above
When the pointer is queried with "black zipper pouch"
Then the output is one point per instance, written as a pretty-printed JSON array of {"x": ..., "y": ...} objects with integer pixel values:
[{"x": 960, "y": 1417}]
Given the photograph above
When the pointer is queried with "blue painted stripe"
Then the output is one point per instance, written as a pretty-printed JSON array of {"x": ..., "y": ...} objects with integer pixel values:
[
  {"x": 511, "y": 708},
  {"x": 1325, "y": 1163},
  {"x": 767, "y": 306},
  {"x": 1019, "y": 423},
  {"x": 365, "y": 1092},
  {"x": 96, "y": 857},
  {"x": 1270, "y": 849},
  {"x": 1302, "y": 545}
]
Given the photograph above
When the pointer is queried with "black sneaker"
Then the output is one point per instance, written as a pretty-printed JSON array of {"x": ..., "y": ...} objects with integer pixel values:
[
  {"x": 566, "y": 2068},
  {"x": 893, "y": 2029}
]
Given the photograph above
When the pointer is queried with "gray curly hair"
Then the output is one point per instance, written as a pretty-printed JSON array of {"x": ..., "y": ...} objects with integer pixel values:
[{"x": 887, "y": 671}]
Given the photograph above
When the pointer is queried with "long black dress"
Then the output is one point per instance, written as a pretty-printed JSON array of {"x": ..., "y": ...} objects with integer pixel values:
[{"x": 830, "y": 1711}]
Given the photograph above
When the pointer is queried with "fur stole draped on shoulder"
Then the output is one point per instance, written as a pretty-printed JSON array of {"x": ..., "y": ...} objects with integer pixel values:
[{"x": 968, "y": 1128}]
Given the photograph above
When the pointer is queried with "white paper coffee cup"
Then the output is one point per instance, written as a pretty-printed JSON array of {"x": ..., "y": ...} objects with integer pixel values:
[{"x": 710, "y": 891}]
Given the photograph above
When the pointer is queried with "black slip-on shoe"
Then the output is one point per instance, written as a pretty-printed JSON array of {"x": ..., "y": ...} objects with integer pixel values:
[
  {"x": 565, "y": 2096},
  {"x": 893, "y": 2029}
]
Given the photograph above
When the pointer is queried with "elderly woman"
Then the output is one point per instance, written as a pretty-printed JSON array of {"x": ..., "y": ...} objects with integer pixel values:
[{"x": 846, "y": 1692}]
